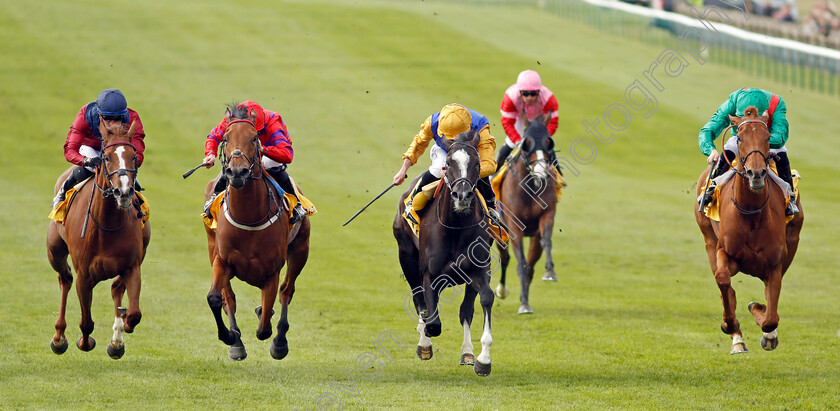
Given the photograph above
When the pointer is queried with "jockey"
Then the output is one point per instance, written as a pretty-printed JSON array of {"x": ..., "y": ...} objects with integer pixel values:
[
  {"x": 277, "y": 153},
  {"x": 739, "y": 101},
  {"x": 84, "y": 143},
  {"x": 526, "y": 99},
  {"x": 452, "y": 120}
]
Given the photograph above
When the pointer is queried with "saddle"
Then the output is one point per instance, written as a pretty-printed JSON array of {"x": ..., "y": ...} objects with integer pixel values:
[
  {"x": 431, "y": 190},
  {"x": 59, "y": 213},
  {"x": 215, "y": 208},
  {"x": 496, "y": 180},
  {"x": 712, "y": 210}
]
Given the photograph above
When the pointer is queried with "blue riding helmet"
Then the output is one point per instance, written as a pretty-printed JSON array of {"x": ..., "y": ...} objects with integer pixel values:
[{"x": 111, "y": 102}]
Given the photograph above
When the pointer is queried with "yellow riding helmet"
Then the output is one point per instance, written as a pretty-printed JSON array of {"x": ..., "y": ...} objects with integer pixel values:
[{"x": 454, "y": 119}]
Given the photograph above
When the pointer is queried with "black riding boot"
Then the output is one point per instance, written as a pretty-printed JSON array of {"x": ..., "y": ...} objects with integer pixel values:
[
  {"x": 722, "y": 167},
  {"x": 220, "y": 186},
  {"x": 552, "y": 159},
  {"x": 503, "y": 154},
  {"x": 425, "y": 178},
  {"x": 282, "y": 177},
  {"x": 486, "y": 191},
  {"x": 783, "y": 166},
  {"x": 78, "y": 175}
]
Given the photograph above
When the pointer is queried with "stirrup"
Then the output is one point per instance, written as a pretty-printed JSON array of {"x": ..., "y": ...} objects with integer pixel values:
[
  {"x": 297, "y": 214},
  {"x": 407, "y": 214},
  {"x": 791, "y": 207},
  {"x": 494, "y": 216},
  {"x": 59, "y": 198},
  {"x": 208, "y": 203}
]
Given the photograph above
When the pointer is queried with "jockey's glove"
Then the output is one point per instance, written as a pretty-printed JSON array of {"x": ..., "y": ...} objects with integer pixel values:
[{"x": 92, "y": 162}]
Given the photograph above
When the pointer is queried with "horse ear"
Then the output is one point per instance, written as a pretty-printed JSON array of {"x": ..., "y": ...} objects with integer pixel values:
[
  {"x": 735, "y": 120},
  {"x": 252, "y": 115},
  {"x": 765, "y": 117},
  {"x": 546, "y": 119},
  {"x": 447, "y": 143},
  {"x": 228, "y": 115},
  {"x": 132, "y": 129},
  {"x": 751, "y": 112}
]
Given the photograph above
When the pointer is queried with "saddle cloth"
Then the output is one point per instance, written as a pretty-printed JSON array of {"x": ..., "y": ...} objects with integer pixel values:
[
  {"x": 712, "y": 210},
  {"x": 496, "y": 180},
  {"x": 59, "y": 213},
  {"x": 215, "y": 208}
]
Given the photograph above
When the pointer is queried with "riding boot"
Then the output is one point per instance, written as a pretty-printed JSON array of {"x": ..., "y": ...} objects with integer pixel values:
[
  {"x": 783, "y": 166},
  {"x": 486, "y": 191},
  {"x": 78, "y": 175},
  {"x": 722, "y": 166},
  {"x": 552, "y": 159},
  {"x": 416, "y": 199},
  {"x": 220, "y": 186},
  {"x": 502, "y": 156},
  {"x": 282, "y": 177}
]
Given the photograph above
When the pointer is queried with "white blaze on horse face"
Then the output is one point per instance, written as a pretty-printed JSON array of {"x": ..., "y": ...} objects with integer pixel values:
[
  {"x": 462, "y": 159},
  {"x": 124, "y": 181},
  {"x": 541, "y": 169}
]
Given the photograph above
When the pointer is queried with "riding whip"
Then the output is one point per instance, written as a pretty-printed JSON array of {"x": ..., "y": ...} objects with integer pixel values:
[
  {"x": 371, "y": 202},
  {"x": 189, "y": 173}
]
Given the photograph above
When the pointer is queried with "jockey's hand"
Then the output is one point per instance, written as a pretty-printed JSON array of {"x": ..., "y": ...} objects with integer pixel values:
[
  {"x": 92, "y": 162},
  {"x": 714, "y": 156},
  {"x": 401, "y": 175},
  {"x": 209, "y": 160}
]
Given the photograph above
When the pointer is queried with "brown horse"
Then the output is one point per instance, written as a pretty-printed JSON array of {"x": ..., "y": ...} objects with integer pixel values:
[
  {"x": 253, "y": 239},
  {"x": 113, "y": 246},
  {"x": 752, "y": 236},
  {"x": 453, "y": 249},
  {"x": 529, "y": 198}
]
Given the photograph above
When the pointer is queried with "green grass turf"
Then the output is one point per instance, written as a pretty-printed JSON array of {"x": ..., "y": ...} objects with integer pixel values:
[{"x": 633, "y": 322}]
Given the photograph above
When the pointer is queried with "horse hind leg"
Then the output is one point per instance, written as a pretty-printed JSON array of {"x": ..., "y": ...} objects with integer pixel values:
[
  {"x": 296, "y": 258},
  {"x": 482, "y": 364},
  {"x": 57, "y": 254},
  {"x": 236, "y": 351},
  {"x": 545, "y": 244},
  {"x": 504, "y": 259},
  {"x": 525, "y": 273}
]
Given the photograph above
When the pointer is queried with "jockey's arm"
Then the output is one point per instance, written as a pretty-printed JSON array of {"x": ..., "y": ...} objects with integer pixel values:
[
  {"x": 415, "y": 149},
  {"x": 779, "y": 126},
  {"x": 138, "y": 139},
  {"x": 487, "y": 152},
  {"x": 718, "y": 122}
]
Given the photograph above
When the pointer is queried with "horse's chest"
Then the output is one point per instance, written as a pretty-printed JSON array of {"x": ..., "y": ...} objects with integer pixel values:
[{"x": 755, "y": 252}]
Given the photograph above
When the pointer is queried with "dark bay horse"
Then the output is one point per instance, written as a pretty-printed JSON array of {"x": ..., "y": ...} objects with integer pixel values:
[
  {"x": 530, "y": 202},
  {"x": 253, "y": 239},
  {"x": 105, "y": 239},
  {"x": 752, "y": 236},
  {"x": 453, "y": 249}
]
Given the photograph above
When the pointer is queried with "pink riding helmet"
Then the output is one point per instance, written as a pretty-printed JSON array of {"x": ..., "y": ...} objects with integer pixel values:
[{"x": 529, "y": 80}]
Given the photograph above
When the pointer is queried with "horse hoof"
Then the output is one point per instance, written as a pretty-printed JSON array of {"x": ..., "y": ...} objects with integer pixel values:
[
  {"x": 61, "y": 347},
  {"x": 467, "y": 359},
  {"x": 237, "y": 353},
  {"x": 258, "y": 310},
  {"x": 525, "y": 309},
  {"x": 549, "y": 277},
  {"x": 482, "y": 370},
  {"x": 730, "y": 330},
  {"x": 115, "y": 353},
  {"x": 739, "y": 348},
  {"x": 769, "y": 344},
  {"x": 92, "y": 344},
  {"x": 278, "y": 353},
  {"x": 424, "y": 353},
  {"x": 502, "y": 291}
]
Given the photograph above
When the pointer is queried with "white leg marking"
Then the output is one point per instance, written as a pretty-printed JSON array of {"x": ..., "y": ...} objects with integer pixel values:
[
  {"x": 737, "y": 339},
  {"x": 119, "y": 327},
  {"x": 771, "y": 335},
  {"x": 486, "y": 342},
  {"x": 424, "y": 341},
  {"x": 467, "y": 346}
]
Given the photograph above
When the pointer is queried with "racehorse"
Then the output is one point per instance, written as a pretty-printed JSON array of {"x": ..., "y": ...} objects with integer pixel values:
[
  {"x": 752, "y": 236},
  {"x": 527, "y": 190},
  {"x": 453, "y": 248},
  {"x": 253, "y": 239},
  {"x": 112, "y": 247}
]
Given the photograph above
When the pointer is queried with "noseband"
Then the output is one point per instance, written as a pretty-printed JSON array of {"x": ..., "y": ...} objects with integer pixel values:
[{"x": 252, "y": 161}]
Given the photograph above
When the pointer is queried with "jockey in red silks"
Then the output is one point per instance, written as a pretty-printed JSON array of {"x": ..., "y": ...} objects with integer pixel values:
[
  {"x": 276, "y": 153},
  {"x": 526, "y": 100},
  {"x": 83, "y": 146},
  {"x": 778, "y": 127}
]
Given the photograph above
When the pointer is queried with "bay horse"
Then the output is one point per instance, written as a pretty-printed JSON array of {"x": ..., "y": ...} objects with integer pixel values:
[
  {"x": 453, "y": 248},
  {"x": 527, "y": 190},
  {"x": 113, "y": 246},
  {"x": 253, "y": 239},
  {"x": 752, "y": 236}
]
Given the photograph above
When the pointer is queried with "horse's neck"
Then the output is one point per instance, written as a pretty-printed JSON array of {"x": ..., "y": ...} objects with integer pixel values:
[
  {"x": 250, "y": 201},
  {"x": 446, "y": 212}
]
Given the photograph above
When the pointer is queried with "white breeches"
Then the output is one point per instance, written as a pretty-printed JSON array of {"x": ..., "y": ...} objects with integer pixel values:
[
  {"x": 269, "y": 163},
  {"x": 732, "y": 145},
  {"x": 89, "y": 151},
  {"x": 438, "y": 160}
]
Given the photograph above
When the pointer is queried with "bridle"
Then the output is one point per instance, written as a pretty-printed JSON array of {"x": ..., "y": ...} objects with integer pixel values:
[
  {"x": 452, "y": 184},
  {"x": 526, "y": 161},
  {"x": 253, "y": 162},
  {"x": 743, "y": 174},
  {"x": 111, "y": 191}
]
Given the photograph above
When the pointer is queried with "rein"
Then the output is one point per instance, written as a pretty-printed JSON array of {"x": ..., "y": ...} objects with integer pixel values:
[
  {"x": 743, "y": 174},
  {"x": 109, "y": 191},
  {"x": 450, "y": 185}
]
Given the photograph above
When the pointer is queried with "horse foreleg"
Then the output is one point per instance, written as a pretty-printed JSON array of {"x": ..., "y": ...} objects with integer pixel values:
[
  {"x": 215, "y": 301},
  {"x": 482, "y": 364},
  {"x": 767, "y": 317},
  {"x": 431, "y": 320},
  {"x": 116, "y": 347},
  {"x": 297, "y": 255},
  {"x": 236, "y": 351},
  {"x": 546, "y": 227},
  {"x": 84, "y": 289},
  {"x": 525, "y": 273},
  {"x": 723, "y": 277},
  {"x": 504, "y": 258},
  {"x": 57, "y": 256},
  {"x": 466, "y": 317},
  {"x": 132, "y": 287},
  {"x": 266, "y": 309}
]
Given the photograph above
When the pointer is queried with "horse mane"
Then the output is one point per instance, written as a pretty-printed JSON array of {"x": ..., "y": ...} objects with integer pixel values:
[
  {"x": 468, "y": 137},
  {"x": 751, "y": 111},
  {"x": 238, "y": 110}
]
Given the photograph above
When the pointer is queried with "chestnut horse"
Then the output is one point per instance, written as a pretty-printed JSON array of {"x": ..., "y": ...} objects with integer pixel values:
[
  {"x": 453, "y": 249},
  {"x": 253, "y": 239},
  {"x": 752, "y": 236},
  {"x": 105, "y": 239},
  {"x": 529, "y": 197}
]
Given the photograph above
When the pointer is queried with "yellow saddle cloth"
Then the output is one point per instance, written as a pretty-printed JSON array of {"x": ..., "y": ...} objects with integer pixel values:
[
  {"x": 713, "y": 210},
  {"x": 210, "y": 221},
  {"x": 59, "y": 213},
  {"x": 495, "y": 231},
  {"x": 496, "y": 180}
]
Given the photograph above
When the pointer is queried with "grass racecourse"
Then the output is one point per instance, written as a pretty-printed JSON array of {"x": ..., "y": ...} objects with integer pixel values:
[{"x": 632, "y": 323}]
